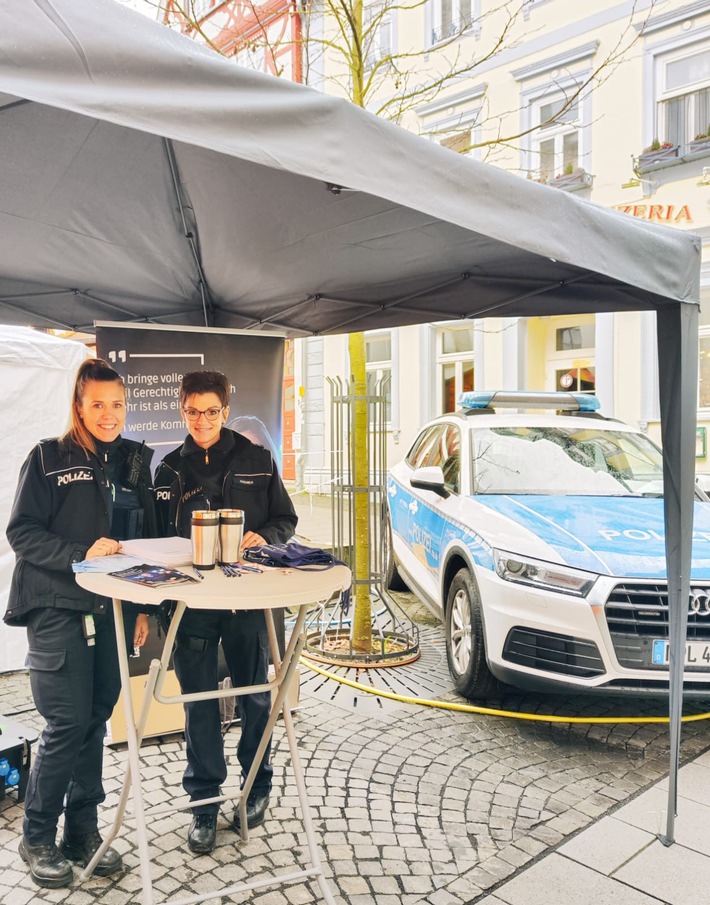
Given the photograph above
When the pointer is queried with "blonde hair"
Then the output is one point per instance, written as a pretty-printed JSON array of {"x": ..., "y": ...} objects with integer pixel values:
[{"x": 91, "y": 369}]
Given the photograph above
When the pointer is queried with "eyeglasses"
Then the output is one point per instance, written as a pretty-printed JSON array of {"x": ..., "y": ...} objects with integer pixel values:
[{"x": 210, "y": 414}]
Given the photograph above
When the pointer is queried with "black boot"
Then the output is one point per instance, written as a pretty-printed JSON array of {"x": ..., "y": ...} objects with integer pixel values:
[
  {"x": 82, "y": 848},
  {"x": 48, "y": 867},
  {"x": 257, "y": 803},
  {"x": 202, "y": 835}
]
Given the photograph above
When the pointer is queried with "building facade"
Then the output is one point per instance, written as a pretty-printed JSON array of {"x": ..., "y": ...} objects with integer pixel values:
[{"x": 609, "y": 99}]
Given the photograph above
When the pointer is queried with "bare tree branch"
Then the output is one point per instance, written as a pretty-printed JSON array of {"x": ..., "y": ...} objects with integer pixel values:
[{"x": 352, "y": 30}]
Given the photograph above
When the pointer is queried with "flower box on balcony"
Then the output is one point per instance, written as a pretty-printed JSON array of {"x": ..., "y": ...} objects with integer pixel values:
[
  {"x": 655, "y": 154},
  {"x": 578, "y": 179},
  {"x": 699, "y": 145}
]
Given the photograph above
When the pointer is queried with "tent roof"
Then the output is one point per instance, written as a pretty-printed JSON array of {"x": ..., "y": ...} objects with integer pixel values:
[{"x": 119, "y": 137}]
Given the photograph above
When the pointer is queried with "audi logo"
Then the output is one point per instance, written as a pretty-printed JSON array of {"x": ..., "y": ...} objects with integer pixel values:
[{"x": 699, "y": 602}]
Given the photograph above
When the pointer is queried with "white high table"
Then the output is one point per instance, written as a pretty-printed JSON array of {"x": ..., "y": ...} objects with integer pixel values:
[{"x": 271, "y": 589}]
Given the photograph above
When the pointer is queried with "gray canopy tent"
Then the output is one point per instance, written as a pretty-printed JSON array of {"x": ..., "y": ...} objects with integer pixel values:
[{"x": 144, "y": 178}]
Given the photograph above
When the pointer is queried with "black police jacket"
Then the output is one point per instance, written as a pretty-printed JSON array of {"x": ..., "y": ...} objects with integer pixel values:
[
  {"x": 249, "y": 481},
  {"x": 62, "y": 505}
]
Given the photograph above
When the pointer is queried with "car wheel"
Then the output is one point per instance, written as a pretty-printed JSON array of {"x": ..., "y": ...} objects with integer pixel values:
[
  {"x": 393, "y": 580},
  {"x": 465, "y": 644}
]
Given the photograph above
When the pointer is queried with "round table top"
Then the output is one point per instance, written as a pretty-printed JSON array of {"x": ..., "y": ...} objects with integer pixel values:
[{"x": 270, "y": 589}]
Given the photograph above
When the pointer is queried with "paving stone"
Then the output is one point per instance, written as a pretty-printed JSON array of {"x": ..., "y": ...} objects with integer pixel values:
[
  {"x": 353, "y": 886},
  {"x": 442, "y": 897},
  {"x": 16, "y": 895},
  {"x": 412, "y": 806}
]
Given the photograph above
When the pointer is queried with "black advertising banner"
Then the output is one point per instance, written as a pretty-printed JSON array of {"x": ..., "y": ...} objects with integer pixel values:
[{"x": 152, "y": 360}]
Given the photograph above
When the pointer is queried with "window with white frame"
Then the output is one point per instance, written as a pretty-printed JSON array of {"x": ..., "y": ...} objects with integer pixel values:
[
  {"x": 458, "y": 132},
  {"x": 556, "y": 140},
  {"x": 557, "y": 113},
  {"x": 378, "y": 33},
  {"x": 454, "y": 365},
  {"x": 683, "y": 94},
  {"x": 571, "y": 353},
  {"x": 451, "y": 17},
  {"x": 378, "y": 368},
  {"x": 459, "y": 140},
  {"x": 452, "y": 121}
]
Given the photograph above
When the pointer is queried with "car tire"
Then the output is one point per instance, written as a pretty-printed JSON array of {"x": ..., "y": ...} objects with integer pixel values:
[
  {"x": 465, "y": 642},
  {"x": 393, "y": 580}
]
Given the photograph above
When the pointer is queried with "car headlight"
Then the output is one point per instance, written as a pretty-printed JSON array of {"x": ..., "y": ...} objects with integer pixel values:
[{"x": 544, "y": 575}]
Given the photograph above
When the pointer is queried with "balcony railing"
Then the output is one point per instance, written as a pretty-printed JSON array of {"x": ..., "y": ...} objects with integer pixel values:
[
  {"x": 672, "y": 155},
  {"x": 451, "y": 29}
]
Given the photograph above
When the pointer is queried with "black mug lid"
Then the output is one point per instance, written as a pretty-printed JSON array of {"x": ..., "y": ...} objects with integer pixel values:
[
  {"x": 231, "y": 516},
  {"x": 204, "y": 516}
]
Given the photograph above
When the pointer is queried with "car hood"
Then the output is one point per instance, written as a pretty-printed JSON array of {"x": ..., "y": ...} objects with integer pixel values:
[{"x": 621, "y": 536}]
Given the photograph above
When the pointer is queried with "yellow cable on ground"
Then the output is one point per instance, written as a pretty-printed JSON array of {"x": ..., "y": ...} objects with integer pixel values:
[{"x": 489, "y": 711}]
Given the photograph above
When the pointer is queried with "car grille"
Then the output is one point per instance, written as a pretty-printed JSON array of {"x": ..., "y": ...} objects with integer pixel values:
[
  {"x": 636, "y": 614},
  {"x": 553, "y": 653}
]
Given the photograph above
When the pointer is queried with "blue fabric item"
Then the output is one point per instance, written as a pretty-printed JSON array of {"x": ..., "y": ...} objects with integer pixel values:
[{"x": 296, "y": 556}]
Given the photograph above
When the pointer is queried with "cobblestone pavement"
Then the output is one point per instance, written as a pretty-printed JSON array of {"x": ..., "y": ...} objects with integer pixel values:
[{"x": 413, "y": 805}]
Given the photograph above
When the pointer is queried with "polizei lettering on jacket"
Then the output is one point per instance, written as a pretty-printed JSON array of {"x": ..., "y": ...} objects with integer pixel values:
[{"x": 69, "y": 477}]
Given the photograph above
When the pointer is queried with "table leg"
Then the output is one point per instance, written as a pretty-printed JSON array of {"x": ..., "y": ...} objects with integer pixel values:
[
  {"x": 134, "y": 736},
  {"x": 133, "y": 757},
  {"x": 298, "y": 774},
  {"x": 285, "y": 672},
  {"x": 123, "y": 798},
  {"x": 289, "y": 664}
]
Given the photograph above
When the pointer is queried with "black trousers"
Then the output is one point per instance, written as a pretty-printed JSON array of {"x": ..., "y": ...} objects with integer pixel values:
[
  {"x": 246, "y": 650},
  {"x": 75, "y": 687}
]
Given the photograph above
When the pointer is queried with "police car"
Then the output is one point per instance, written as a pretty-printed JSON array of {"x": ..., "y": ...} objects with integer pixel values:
[{"x": 537, "y": 536}]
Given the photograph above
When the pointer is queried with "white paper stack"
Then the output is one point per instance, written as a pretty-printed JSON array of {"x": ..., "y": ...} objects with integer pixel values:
[{"x": 167, "y": 551}]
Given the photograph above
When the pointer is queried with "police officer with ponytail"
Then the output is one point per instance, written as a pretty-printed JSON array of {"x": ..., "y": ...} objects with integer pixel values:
[{"x": 78, "y": 496}]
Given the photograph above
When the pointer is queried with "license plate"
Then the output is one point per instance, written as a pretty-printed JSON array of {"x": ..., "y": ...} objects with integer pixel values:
[{"x": 697, "y": 653}]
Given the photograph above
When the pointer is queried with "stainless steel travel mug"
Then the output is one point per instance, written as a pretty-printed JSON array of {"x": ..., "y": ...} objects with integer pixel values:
[
  {"x": 231, "y": 531},
  {"x": 204, "y": 534}
]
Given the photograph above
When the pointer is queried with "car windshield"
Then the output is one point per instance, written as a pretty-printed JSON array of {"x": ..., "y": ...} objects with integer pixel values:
[{"x": 560, "y": 460}]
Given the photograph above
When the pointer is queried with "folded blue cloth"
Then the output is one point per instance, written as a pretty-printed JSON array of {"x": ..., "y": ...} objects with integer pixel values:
[{"x": 296, "y": 556}]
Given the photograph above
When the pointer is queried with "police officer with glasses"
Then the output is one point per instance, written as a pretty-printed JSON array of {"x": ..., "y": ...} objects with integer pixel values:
[{"x": 218, "y": 468}]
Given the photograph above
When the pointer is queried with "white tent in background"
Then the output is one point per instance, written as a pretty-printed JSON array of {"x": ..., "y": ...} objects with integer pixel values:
[{"x": 36, "y": 377}]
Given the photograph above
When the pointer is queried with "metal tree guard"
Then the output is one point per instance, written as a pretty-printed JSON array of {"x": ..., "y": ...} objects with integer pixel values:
[{"x": 329, "y": 627}]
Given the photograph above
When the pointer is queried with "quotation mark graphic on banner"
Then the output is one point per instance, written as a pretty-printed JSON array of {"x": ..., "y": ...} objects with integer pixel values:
[{"x": 120, "y": 355}]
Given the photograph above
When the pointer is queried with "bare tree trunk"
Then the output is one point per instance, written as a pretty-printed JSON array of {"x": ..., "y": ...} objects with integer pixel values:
[{"x": 362, "y": 616}]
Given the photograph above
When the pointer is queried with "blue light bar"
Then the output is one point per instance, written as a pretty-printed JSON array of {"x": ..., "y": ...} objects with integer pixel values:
[
  {"x": 475, "y": 399},
  {"x": 568, "y": 402}
]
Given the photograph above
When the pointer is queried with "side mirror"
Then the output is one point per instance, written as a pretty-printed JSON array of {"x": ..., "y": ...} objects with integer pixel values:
[{"x": 430, "y": 477}]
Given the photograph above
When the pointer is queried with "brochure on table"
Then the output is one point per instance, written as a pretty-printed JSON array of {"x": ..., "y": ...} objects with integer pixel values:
[{"x": 142, "y": 553}]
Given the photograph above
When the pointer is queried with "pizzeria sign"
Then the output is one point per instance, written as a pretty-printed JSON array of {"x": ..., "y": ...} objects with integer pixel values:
[{"x": 658, "y": 213}]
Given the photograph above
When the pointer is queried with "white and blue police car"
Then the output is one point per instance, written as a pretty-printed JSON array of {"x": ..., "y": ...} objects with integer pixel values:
[{"x": 537, "y": 536}]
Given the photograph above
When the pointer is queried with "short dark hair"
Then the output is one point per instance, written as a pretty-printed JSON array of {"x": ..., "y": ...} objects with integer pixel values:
[{"x": 204, "y": 382}]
